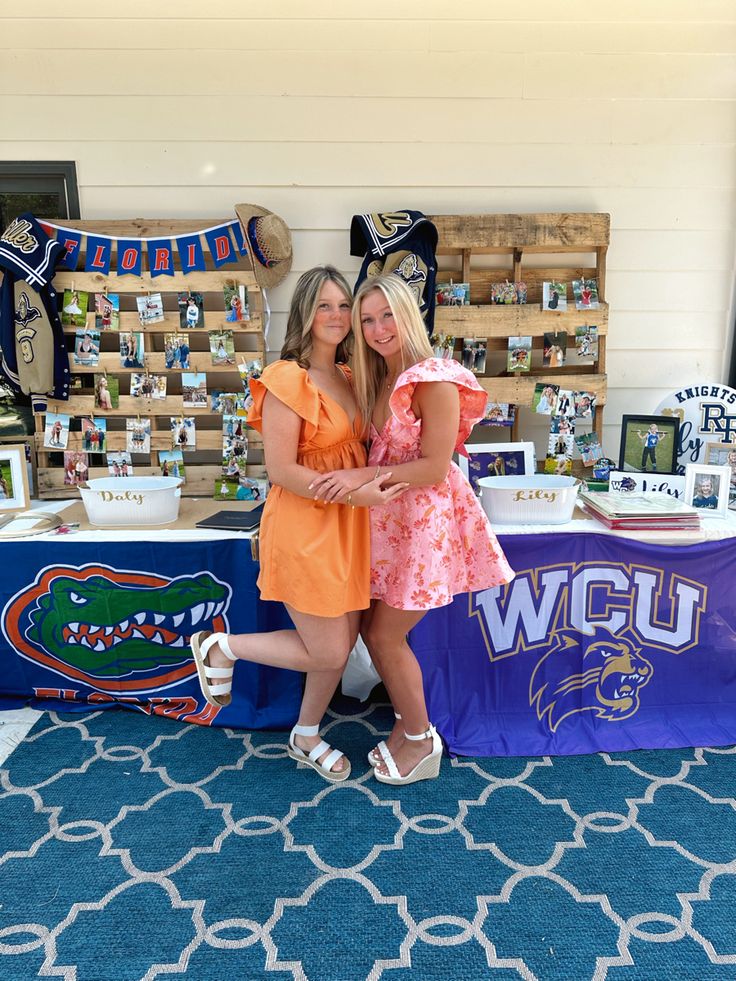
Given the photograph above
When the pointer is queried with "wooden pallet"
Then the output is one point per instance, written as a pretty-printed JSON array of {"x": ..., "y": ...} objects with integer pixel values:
[
  {"x": 204, "y": 464},
  {"x": 464, "y": 239}
]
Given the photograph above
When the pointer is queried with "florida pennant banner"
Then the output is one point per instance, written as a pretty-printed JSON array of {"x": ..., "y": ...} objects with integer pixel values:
[{"x": 225, "y": 243}]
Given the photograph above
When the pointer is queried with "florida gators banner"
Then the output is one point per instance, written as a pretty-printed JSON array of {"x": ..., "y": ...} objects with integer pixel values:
[
  {"x": 221, "y": 247},
  {"x": 129, "y": 252},
  {"x": 160, "y": 257},
  {"x": 130, "y": 257},
  {"x": 99, "y": 251},
  {"x": 108, "y": 625},
  {"x": 191, "y": 254},
  {"x": 72, "y": 242},
  {"x": 599, "y": 643}
]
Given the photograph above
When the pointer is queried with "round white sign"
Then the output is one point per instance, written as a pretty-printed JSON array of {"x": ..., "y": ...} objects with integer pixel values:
[{"x": 707, "y": 415}]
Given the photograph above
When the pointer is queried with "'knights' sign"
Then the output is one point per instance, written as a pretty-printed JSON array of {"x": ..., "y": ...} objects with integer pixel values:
[{"x": 707, "y": 415}]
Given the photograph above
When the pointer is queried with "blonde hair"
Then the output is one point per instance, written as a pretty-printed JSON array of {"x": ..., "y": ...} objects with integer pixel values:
[
  {"x": 369, "y": 368},
  {"x": 298, "y": 341}
]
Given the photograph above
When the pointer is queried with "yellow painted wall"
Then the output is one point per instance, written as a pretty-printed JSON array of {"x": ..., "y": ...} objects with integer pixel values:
[{"x": 320, "y": 110}]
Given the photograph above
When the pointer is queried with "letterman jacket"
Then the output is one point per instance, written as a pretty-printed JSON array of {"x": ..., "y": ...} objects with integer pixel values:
[
  {"x": 34, "y": 356},
  {"x": 402, "y": 242}
]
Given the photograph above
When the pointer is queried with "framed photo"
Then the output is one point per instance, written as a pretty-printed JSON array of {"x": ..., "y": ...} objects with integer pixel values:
[
  {"x": 649, "y": 444},
  {"x": 722, "y": 455},
  {"x": 496, "y": 460},
  {"x": 14, "y": 493},
  {"x": 708, "y": 488}
]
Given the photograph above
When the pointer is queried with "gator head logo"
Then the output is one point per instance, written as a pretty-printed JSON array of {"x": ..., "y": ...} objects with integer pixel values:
[
  {"x": 612, "y": 676},
  {"x": 114, "y": 630}
]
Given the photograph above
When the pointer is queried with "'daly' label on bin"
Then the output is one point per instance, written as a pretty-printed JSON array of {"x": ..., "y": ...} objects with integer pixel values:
[{"x": 108, "y": 496}]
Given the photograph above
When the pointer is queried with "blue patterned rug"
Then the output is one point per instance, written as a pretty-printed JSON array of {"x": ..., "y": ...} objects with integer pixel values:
[{"x": 135, "y": 847}]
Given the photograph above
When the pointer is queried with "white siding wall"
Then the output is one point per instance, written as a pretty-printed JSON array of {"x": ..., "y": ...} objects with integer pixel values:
[{"x": 319, "y": 110}]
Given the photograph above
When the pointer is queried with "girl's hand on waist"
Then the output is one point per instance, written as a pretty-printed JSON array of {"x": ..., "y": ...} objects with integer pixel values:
[{"x": 374, "y": 493}]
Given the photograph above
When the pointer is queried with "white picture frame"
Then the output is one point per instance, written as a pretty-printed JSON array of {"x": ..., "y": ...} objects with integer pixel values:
[
  {"x": 517, "y": 459},
  {"x": 14, "y": 493},
  {"x": 704, "y": 483},
  {"x": 644, "y": 483}
]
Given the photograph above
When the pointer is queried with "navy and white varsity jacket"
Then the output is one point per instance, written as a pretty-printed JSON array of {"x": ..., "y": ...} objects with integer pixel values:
[
  {"x": 34, "y": 356},
  {"x": 402, "y": 242}
]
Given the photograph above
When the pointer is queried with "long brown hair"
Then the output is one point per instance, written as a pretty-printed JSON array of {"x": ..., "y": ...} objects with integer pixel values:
[
  {"x": 369, "y": 368},
  {"x": 298, "y": 341}
]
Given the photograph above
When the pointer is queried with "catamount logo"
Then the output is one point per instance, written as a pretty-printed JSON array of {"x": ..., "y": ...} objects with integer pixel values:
[
  {"x": 606, "y": 683},
  {"x": 593, "y": 622},
  {"x": 120, "y": 632},
  {"x": 19, "y": 235}
]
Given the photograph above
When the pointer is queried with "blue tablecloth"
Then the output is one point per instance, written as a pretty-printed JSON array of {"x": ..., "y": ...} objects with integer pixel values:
[
  {"x": 600, "y": 643},
  {"x": 107, "y": 623}
]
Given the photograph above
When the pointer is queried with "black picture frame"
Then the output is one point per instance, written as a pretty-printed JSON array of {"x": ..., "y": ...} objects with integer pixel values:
[{"x": 636, "y": 456}]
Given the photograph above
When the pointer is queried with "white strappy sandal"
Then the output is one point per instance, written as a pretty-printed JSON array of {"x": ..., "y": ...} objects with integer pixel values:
[
  {"x": 220, "y": 693},
  {"x": 376, "y": 754},
  {"x": 426, "y": 769},
  {"x": 312, "y": 757}
]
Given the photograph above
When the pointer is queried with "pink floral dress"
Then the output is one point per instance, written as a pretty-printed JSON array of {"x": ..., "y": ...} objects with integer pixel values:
[{"x": 432, "y": 542}]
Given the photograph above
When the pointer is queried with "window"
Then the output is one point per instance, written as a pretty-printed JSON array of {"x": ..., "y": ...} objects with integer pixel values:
[{"x": 47, "y": 189}]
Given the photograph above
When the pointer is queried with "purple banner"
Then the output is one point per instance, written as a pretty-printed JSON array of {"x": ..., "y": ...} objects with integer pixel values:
[{"x": 600, "y": 643}]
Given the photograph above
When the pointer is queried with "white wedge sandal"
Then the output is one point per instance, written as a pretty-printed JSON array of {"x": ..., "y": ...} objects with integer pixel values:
[
  {"x": 376, "y": 754},
  {"x": 426, "y": 769},
  {"x": 220, "y": 693},
  {"x": 312, "y": 757}
]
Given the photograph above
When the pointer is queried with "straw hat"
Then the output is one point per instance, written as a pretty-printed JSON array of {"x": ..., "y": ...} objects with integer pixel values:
[{"x": 269, "y": 241}]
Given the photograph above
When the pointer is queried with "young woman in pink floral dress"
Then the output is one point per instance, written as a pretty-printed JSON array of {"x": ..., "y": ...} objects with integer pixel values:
[{"x": 435, "y": 540}]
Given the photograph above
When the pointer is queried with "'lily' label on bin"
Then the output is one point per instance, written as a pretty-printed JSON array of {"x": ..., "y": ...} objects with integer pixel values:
[{"x": 535, "y": 495}]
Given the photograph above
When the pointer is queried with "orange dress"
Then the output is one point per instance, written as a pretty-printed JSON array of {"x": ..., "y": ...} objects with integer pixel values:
[{"x": 314, "y": 556}]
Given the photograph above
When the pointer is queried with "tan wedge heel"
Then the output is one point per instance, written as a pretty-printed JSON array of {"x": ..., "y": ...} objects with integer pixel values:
[{"x": 426, "y": 769}]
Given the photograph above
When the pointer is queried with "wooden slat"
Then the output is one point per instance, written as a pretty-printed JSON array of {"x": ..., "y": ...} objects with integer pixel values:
[
  {"x": 520, "y": 390},
  {"x": 116, "y": 439},
  {"x": 512, "y": 321},
  {"x": 480, "y": 280},
  {"x": 529, "y": 232},
  {"x": 155, "y": 362},
  {"x": 141, "y": 227},
  {"x": 84, "y": 406},
  {"x": 200, "y": 479},
  {"x": 213, "y": 320},
  {"x": 202, "y": 282}
]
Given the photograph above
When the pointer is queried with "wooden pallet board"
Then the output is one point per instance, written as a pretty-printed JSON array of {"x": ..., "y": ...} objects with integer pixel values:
[
  {"x": 465, "y": 242},
  {"x": 202, "y": 464}
]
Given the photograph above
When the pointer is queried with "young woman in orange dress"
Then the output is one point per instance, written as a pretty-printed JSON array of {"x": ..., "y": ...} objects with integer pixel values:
[
  {"x": 315, "y": 557},
  {"x": 432, "y": 542}
]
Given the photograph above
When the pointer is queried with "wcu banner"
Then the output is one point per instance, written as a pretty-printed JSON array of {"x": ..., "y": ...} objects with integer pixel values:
[
  {"x": 98, "y": 625},
  {"x": 599, "y": 643}
]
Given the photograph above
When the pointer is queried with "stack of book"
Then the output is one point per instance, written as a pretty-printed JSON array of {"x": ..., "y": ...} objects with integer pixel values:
[{"x": 631, "y": 512}]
